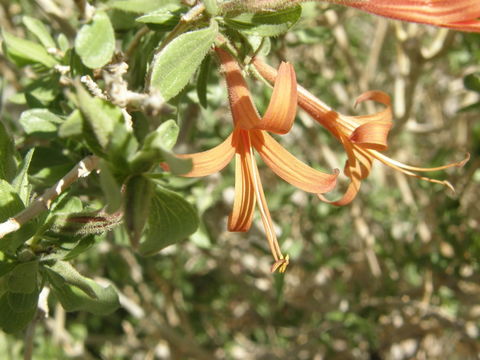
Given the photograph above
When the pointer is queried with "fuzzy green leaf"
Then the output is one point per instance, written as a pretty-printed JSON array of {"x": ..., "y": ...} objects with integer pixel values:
[
  {"x": 162, "y": 19},
  {"x": 271, "y": 23},
  {"x": 95, "y": 42},
  {"x": 40, "y": 31},
  {"x": 7, "y": 155},
  {"x": 173, "y": 67},
  {"x": 73, "y": 299},
  {"x": 171, "y": 219},
  {"x": 138, "y": 198},
  {"x": 73, "y": 277},
  {"x": 99, "y": 115},
  {"x": 110, "y": 187},
  {"x": 21, "y": 183},
  {"x": 23, "y": 278},
  {"x": 40, "y": 122},
  {"x": 12, "y": 321},
  {"x": 10, "y": 202},
  {"x": 24, "y": 52},
  {"x": 138, "y": 6}
]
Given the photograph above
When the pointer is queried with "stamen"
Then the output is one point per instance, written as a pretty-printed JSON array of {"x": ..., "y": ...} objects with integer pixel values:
[
  {"x": 281, "y": 262},
  {"x": 393, "y": 164},
  {"x": 414, "y": 168}
]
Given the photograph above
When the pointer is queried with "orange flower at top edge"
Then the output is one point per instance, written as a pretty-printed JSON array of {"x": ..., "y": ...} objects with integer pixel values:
[
  {"x": 363, "y": 137},
  {"x": 460, "y": 15},
  {"x": 249, "y": 133}
]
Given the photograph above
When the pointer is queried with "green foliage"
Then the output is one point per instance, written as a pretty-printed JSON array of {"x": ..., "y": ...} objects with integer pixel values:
[
  {"x": 174, "y": 65},
  {"x": 171, "y": 219},
  {"x": 23, "y": 52},
  {"x": 95, "y": 42},
  {"x": 267, "y": 23}
]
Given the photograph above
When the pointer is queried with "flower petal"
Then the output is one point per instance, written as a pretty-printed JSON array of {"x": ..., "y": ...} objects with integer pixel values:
[
  {"x": 282, "y": 108},
  {"x": 347, "y": 197},
  {"x": 244, "y": 204},
  {"x": 455, "y": 14},
  {"x": 357, "y": 168},
  {"x": 211, "y": 161},
  {"x": 372, "y": 135},
  {"x": 289, "y": 168},
  {"x": 244, "y": 112}
]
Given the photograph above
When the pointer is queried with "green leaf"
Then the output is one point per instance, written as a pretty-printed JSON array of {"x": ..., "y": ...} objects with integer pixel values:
[
  {"x": 155, "y": 150},
  {"x": 72, "y": 126},
  {"x": 95, "y": 42},
  {"x": 138, "y": 197},
  {"x": 23, "y": 278},
  {"x": 110, "y": 187},
  {"x": 202, "y": 81},
  {"x": 7, "y": 154},
  {"x": 63, "y": 42},
  {"x": 173, "y": 67},
  {"x": 138, "y": 6},
  {"x": 82, "y": 246},
  {"x": 100, "y": 115},
  {"x": 162, "y": 19},
  {"x": 121, "y": 147},
  {"x": 171, "y": 219},
  {"x": 40, "y": 122},
  {"x": 40, "y": 31},
  {"x": 266, "y": 23},
  {"x": 10, "y": 202},
  {"x": 211, "y": 6},
  {"x": 21, "y": 183},
  {"x": 164, "y": 137},
  {"x": 71, "y": 276},
  {"x": 12, "y": 321},
  {"x": 73, "y": 299},
  {"x": 23, "y": 302},
  {"x": 24, "y": 52}
]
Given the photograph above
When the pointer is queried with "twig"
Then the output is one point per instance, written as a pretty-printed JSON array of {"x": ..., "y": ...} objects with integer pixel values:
[{"x": 42, "y": 203}]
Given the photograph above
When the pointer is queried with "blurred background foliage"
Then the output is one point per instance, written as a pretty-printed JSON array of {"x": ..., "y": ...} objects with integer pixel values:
[{"x": 395, "y": 275}]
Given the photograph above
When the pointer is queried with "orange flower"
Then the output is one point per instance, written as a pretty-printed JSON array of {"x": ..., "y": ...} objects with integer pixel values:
[
  {"x": 455, "y": 14},
  {"x": 250, "y": 133},
  {"x": 363, "y": 137}
]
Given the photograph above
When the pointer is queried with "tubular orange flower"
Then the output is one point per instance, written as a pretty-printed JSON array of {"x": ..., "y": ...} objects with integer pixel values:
[
  {"x": 363, "y": 137},
  {"x": 460, "y": 15},
  {"x": 250, "y": 132}
]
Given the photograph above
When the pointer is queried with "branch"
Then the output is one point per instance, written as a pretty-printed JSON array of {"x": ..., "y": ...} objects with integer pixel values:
[{"x": 42, "y": 203}]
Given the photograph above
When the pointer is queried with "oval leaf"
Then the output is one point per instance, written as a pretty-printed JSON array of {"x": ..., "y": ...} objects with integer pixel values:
[
  {"x": 267, "y": 23},
  {"x": 24, "y": 52},
  {"x": 174, "y": 66},
  {"x": 170, "y": 220},
  {"x": 40, "y": 122},
  {"x": 95, "y": 42}
]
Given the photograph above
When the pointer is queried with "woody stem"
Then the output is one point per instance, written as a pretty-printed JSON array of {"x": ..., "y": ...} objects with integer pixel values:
[{"x": 42, "y": 203}]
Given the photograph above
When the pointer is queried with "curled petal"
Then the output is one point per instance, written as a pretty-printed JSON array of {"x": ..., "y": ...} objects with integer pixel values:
[
  {"x": 289, "y": 168},
  {"x": 357, "y": 168},
  {"x": 282, "y": 108},
  {"x": 244, "y": 203},
  {"x": 211, "y": 161},
  {"x": 456, "y": 14},
  {"x": 244, "y": 112},
  {"x": 347, "y": 197},
  {"x": 372, "y": 134},
  {"x": 380, "y": 97}
]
